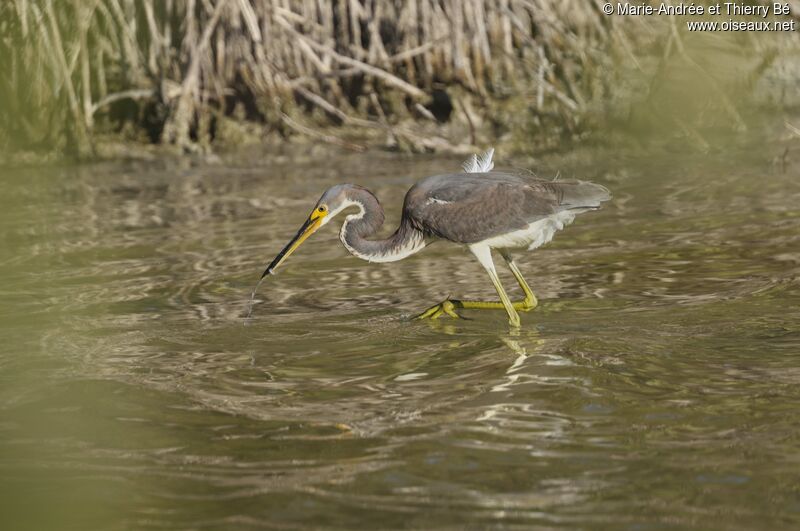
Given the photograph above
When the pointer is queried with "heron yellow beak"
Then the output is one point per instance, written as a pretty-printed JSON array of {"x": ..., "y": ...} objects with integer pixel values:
[{"x": 311, "y": 225}]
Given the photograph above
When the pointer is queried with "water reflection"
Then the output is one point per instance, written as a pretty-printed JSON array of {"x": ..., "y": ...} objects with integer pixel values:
[{"x": 655, "y": 383}]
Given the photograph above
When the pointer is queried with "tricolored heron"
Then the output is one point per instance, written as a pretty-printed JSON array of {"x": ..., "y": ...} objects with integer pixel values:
[{"x": 480, "y": 208}]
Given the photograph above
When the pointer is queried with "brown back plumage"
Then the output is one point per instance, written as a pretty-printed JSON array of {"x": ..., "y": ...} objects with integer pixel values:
[{"x": 471, "y": 207}]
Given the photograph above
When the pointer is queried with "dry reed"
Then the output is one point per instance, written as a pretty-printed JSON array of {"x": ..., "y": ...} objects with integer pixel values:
[{"x": 177, "y": 67}]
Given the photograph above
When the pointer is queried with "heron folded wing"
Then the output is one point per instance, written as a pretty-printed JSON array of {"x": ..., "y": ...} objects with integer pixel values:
[{"x": 468, "y": 208}]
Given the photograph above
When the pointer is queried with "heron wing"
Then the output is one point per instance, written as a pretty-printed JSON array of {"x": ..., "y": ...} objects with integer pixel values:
[{"x": 470, "y": 207}]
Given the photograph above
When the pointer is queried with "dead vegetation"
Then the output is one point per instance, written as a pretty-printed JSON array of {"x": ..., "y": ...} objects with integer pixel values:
[
  {"x": 176, "y": 67},
  {"x": 350, "y": 72}
]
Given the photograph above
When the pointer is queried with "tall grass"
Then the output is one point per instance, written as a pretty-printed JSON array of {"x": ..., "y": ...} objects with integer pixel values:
[
  {"x": 363, "y": 63},
  {"x": 174, "y": 69}
]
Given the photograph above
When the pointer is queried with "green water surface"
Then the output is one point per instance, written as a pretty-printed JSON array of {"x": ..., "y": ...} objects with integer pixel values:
[{"x": 656, "y": 386}]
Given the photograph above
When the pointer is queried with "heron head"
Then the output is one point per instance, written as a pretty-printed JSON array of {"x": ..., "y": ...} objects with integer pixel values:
[{"x": 334, "y": 200}]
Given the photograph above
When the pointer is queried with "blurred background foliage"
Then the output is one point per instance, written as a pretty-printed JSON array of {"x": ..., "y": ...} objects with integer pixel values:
[{"x": 419, "y": 75}]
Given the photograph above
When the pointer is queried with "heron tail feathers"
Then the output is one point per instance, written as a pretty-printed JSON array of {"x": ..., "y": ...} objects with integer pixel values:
[{"x": 581, "y": 194}]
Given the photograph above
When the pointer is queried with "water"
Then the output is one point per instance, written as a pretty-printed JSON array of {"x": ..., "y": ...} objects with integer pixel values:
[{"x": 656, "y": 386}]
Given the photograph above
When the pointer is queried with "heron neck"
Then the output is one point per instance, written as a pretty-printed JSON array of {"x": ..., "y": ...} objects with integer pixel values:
[{"x": 358, "y": 230}]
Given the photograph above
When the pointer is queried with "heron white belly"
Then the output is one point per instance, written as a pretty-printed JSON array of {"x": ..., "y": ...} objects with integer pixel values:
[{"x": 535, "y": 234}]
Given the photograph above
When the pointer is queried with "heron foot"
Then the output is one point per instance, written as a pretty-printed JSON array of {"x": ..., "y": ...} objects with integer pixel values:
[
  {"x": 527, "y": 304},
  {"x": 448, "y": 307},
  {"x": 445, "y": 307}
]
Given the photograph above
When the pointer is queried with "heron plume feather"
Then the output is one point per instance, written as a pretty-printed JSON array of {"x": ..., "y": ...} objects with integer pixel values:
[{"x": 479, "y": 163}]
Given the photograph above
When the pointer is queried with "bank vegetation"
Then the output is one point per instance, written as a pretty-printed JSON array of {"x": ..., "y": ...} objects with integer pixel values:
[{"x": 414, "y": 75}]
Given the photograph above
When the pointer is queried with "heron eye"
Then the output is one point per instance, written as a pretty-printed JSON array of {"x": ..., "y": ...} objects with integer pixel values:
[{"x": 322, "y": 209}]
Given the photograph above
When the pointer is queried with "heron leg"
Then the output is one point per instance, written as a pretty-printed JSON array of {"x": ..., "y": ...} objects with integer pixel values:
[
  {"x": 525, "y": 305},
  {"x": 529, "y": 302},
  {"x": 449, "y": 306},
  {"x": 484, "y": 255}
]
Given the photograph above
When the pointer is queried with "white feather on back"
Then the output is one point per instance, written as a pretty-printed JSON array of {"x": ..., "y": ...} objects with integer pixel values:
[{"x": 479, "y": 163}]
